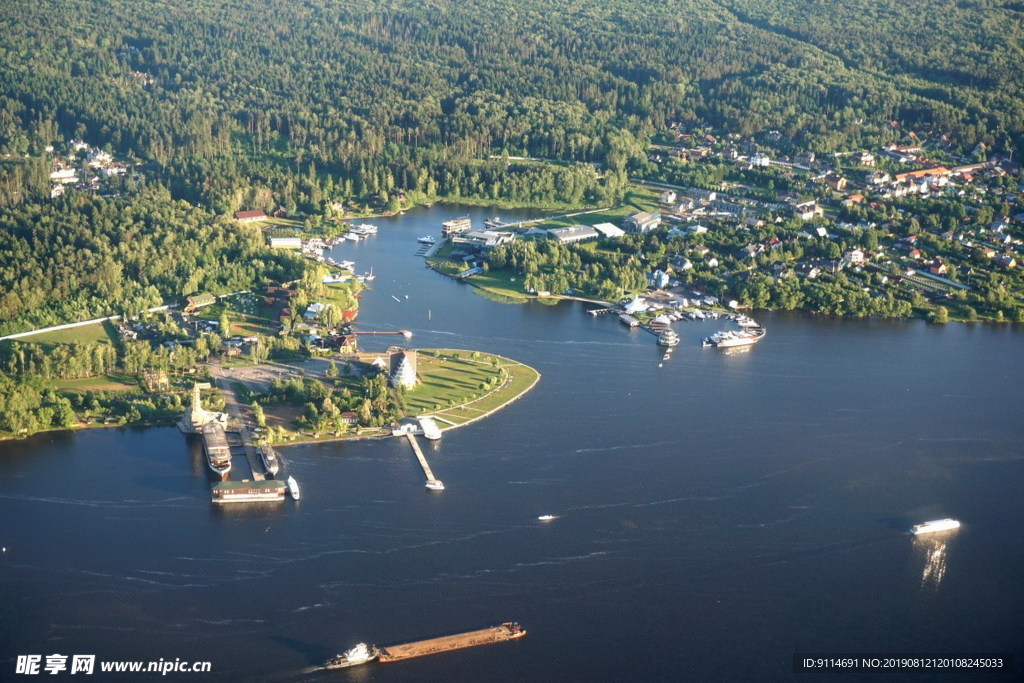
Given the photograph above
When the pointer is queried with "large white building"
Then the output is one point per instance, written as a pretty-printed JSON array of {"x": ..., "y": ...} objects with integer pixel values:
[{"x": 402, "y": 369}]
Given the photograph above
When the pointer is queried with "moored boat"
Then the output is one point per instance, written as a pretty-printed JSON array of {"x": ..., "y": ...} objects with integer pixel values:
[
  {"x": 269, "y": 457},
  {"x": 293, "y": 488},
  {"x": 427, "y": 239},
  {"x": 668, "y": 338},
  {"x": 215, "y": 446},
  {"x": 744, "y": 337}
]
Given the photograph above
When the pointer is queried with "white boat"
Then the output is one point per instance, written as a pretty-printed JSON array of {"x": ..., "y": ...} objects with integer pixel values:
[
  {"x": 293, "y": 488},
  {"x": 435, "y": 485},
  {"x": 668, "y": 338},
  {"x": 365, "y": 229},
  {"x": 347, "y": 265},
  {"x": 744, "y": 337},
  {"x": 427, "y": 239},
  {"x": 744, "y": 321},
  {"x": 352, "y": 236},
  {"x": 269, "y": 457},
  {"x": 360, "y": 654},
  {"x": 935, "y": 525},
  {"x": 546, "y": 518}
]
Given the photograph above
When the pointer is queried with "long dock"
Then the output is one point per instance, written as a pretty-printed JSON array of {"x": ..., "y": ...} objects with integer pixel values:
[
  {"x": 432, "y": 482},
  {"x": 433, "y": 646}
]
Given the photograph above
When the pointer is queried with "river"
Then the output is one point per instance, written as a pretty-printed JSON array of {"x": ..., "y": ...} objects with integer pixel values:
[{"x": 717, "y": 512}]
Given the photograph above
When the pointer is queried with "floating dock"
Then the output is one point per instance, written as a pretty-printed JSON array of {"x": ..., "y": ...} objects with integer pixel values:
[
  {"x": 246, "y": 491},
  {"x": 421, "y": 648},
  {"x": 432, "y": 482}
]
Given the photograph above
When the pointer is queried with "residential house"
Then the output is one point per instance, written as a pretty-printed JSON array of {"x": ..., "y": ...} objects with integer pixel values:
[
  {"x": 1005, "y": 261},
  {"x": 836, "y": 182},
  {"x": 667, "y": 197},
  {"x": 313, "y": 311},
  {"x": 854, "y": 256},
  {"x": 659, "y": 279}
]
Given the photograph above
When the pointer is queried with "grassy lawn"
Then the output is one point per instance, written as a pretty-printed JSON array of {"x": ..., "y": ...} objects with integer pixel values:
[
  {"x": 499, "y": 283},
  {"x": 637, "y": 199},
  {"x": 86, "y": 333},
  {"x": 450, "y": 387},
  {"x": 99, "y": 383}
]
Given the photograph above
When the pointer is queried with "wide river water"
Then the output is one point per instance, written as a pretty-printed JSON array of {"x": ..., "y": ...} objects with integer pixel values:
[{"x": 717, "y": 512}]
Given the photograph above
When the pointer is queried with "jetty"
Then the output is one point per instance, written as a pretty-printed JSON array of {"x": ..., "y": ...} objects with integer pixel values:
[
  {"x": 421, "y": 648},
  {"x": 433, "y": 483}
]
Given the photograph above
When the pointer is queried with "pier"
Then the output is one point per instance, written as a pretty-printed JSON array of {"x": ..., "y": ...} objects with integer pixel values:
[
  {"x": 432, "y": 482},
  {"x": 239, "y": 429}
]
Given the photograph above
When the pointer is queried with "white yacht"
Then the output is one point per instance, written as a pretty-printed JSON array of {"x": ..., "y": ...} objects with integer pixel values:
[
  {"x": 293, "y": 488},
  {"x": 668, "y": 338},
  {"x": 935, "y": 525}
]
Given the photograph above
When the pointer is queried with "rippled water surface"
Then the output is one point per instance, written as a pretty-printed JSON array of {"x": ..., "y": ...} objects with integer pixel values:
[{"x": 716, "y": 514}]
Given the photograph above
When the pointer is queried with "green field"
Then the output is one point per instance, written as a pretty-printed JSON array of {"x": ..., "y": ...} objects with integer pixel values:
[
  {"x": 99, "y": 383},
  {"x": 81, "y": 335},
  {"x": 450, "y": 387}
]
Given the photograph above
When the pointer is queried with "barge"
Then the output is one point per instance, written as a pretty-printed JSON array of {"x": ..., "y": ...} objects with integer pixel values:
[
  {"x": 245, "y": 491},
  {"x": 421, "y": 648}
]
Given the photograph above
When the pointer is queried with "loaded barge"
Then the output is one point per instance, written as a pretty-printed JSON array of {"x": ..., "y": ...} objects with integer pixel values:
[
  {"x": 363, "y": 653},
  {"x": 496, "y": 634}
]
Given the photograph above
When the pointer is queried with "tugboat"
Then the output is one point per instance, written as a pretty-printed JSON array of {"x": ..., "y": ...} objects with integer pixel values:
[
  {"x": 360, "y": 654},
  {"x": 668, "y": 338}
]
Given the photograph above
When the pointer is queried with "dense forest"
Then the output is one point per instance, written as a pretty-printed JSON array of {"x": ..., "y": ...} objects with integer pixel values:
[
  {"x": 82, "y": 257},
  {"x": 253, "y": 103}
]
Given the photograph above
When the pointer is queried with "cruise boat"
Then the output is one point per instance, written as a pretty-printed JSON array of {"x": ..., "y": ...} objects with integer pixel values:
[
  {"x": 427, "y": 239},
  {"x": 935, "y": 525},
  {"x": 360, "y": 654},
  {"x": 668, "y": 338},
  {"x": 365, "y": 229},
  {"x": 216, "y": 448},
  {"x": 269, "y": 457},
  {"x": 744, "y": 337},
  {"x": 293, "y": 488}
]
